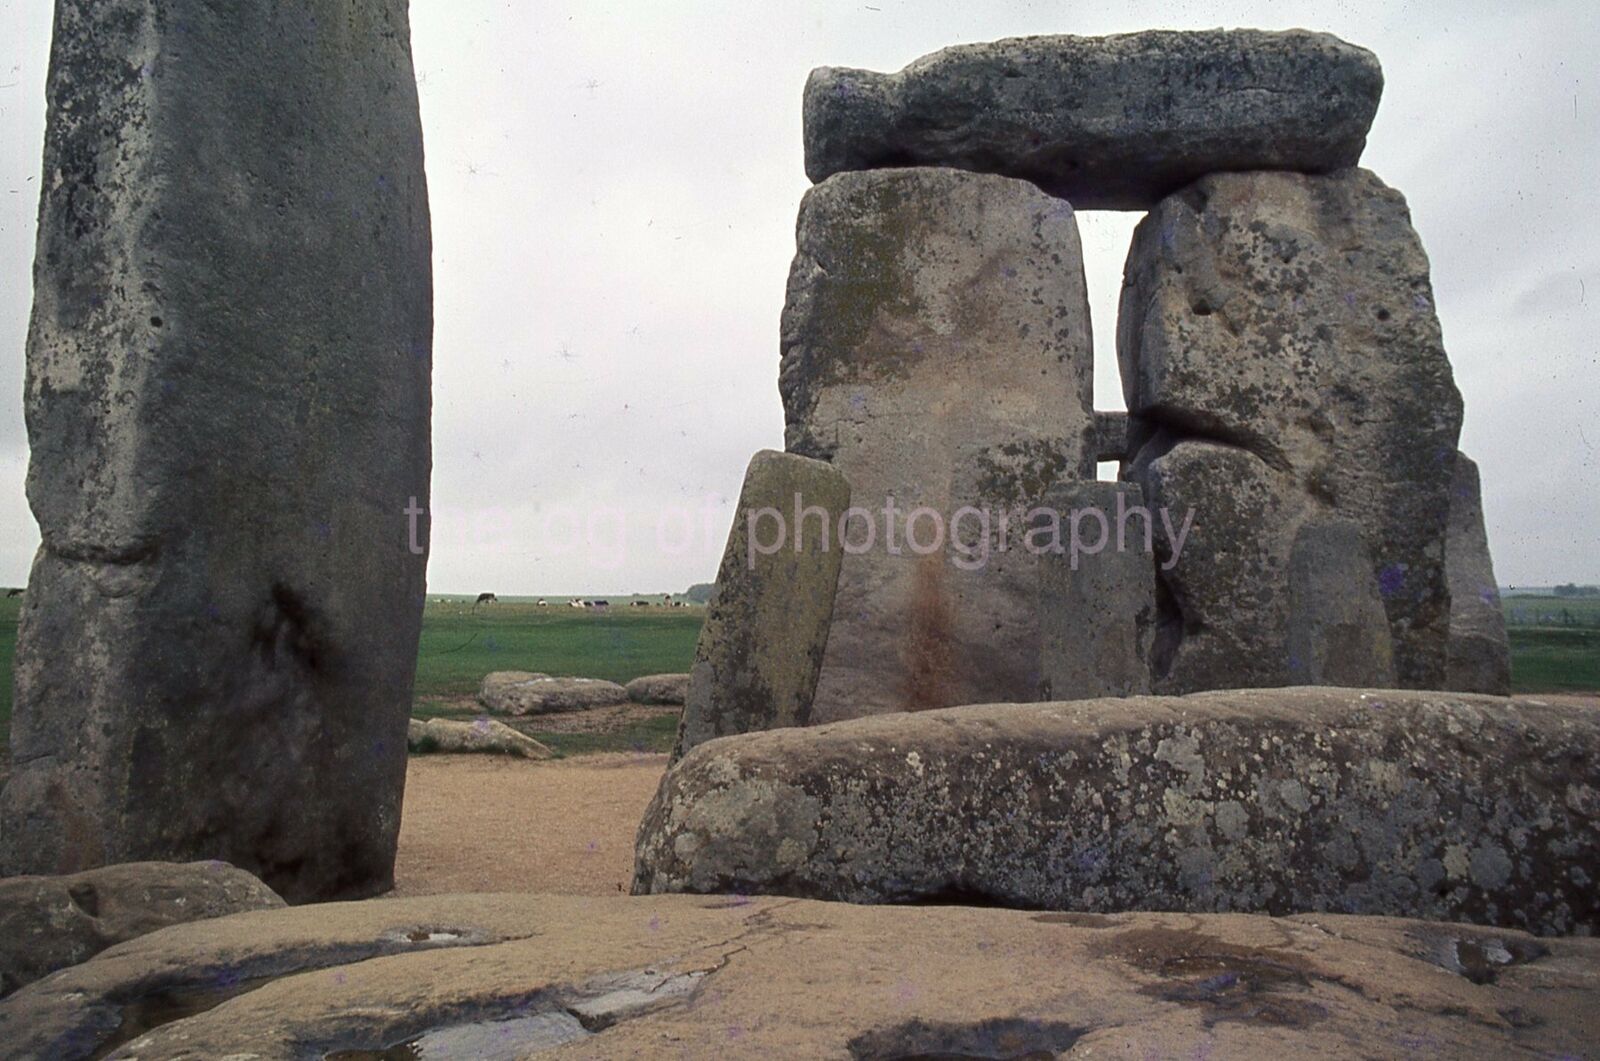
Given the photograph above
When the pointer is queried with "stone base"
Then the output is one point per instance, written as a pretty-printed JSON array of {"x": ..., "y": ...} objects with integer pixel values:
[{"x": 683, "y": 976}]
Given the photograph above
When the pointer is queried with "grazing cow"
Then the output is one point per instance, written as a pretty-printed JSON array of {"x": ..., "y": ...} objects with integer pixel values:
[
  {"x": 488, "y": 598},
  {"x": 577, "y": 604},
  {"x": 541, "y": 602},
  {"x": 639, "y": 604},
  {"x": 13, "y": 593},
  {"x": 600, "y": 604}
]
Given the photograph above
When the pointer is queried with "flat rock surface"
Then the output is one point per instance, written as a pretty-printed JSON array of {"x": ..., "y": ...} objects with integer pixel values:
[
  {"x": 690, "y": 976},
  {"x": 1438, "y": 805},
  {"x": 520, "y": 693},
  {"x": 1105, "y": 122},
  {"x": 49, "y": 923}
]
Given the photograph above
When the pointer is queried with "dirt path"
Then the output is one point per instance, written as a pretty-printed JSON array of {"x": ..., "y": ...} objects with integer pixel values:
[{"x": 480, "y": 823}]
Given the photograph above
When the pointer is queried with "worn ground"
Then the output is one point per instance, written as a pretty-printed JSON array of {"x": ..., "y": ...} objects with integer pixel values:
[{"x": 482, "y": 823}]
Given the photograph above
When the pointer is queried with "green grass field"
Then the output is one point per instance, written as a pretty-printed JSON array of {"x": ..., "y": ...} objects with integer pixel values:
[
  {"x": 462, "y": 642},
  {"x": 1555, "y": 646}
]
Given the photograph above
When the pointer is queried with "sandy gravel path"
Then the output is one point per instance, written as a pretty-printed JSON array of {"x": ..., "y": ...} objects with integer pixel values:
[{"x": 482, "y": 823}]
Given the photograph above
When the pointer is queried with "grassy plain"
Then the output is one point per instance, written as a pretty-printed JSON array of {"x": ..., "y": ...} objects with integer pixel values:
[{"x": 1555, "y": 647}]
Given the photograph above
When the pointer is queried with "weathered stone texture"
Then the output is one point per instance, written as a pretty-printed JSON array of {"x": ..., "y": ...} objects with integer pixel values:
[
  {"x": 518, "y": 693},
  {"x": 49, "y": 923},
  {"x": 936, "y": 350},
  {"x": 1097, "y": 612},
  {"x": 228, "y": 407},
  {"x": 1337, "y": 632},
  {"x": 664, "y": 689},
  {"x": 1432, "y": 805},
  {"x": 1285, "y": 323},
  {"x": 1480, "y": 654},
  {"x": 482, "y": 736},
  {"x": 1105, "y": 122},
  {"x": 761, "y": 646},
  {"x": 692, "y": 977},
  {"x": 1110, "y": 436}
]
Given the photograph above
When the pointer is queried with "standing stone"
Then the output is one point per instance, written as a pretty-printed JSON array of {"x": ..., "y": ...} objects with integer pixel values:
[
  {"x": 1480, "y": 655},
  {"x": 1338, "y": 633},
  {"x": 1107, "y": 122},
  {"x": 936, "y": 350},
  {"x": 1288, "y": 320},
  {"x": 1097, "y": 611},
  {"x": 228, "y": 405},
  {"x": 756, "y": 663}
]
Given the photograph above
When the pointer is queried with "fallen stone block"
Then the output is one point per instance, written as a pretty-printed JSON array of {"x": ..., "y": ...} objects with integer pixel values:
[
  {"x": 519, "y": 693},
  {"x": 50, "y": 923},
  {"x": 1105, "y": 122},
  {"x": 1443, "y": 806},
  {"x": 485, "y": 735},
  {"x": 661, "y": 689},
  {"x": 761, "y": 647}
]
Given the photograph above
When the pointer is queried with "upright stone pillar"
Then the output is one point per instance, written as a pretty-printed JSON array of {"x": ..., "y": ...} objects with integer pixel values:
[
  {"x": 1480, "y": 653},
  {"x": 756, "y": 663},
  {"x": 936, "y": 350},
  {"x": 228, "y": 404},
  {"x": 1283, "y": 364},
  {"x": 1097, "y": 609}
]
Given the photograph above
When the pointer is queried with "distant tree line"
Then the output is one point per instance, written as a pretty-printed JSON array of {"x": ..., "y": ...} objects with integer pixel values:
[{"x": 1571, "y": 590}]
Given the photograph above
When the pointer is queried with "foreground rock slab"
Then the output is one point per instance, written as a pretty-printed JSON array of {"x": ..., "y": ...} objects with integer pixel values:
[
  {"x": 936, "y": 351},
  {"x": 1435, "y": 805},
  {"x": 49, "y": 923},
  {"x": 1105, "y": 122},
  {"x": 480, "y": 736},
  {"x": 519, "y": 693},
  {"x": 228, "y": 411},
  {"x": 712, "y": 977}
]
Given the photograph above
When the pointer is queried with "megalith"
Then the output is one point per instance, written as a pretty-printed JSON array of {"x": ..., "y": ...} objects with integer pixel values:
[
  {"x": 228, "y": 406},
  {"x": 936, "y": 350},
  {"x": 1392, "y": 803},
  {"x": 761, "y": 646},
  {"x": 1480, "y": 654},
  {"x": 1097, "y": 594},
  {"x": 1283, "y": 364},
  {"x": 1106, "y": 122}
]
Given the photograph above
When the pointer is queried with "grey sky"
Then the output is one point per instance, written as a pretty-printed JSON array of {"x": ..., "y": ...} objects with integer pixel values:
[{"x": 614, "y": 189}]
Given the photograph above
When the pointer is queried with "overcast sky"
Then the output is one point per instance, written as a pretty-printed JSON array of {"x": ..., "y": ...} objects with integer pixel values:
[{"x": 614, "y": 188}]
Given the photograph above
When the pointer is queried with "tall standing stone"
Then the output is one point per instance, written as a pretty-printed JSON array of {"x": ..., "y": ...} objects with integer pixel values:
[
  {"x": 936, "y": 350},
  {"x": 1480, "y": 654},
  {"x": 1106, "y": 122},
  {"x": 1097, "y": 609},
  {"x": 1285, "y": 323},
  {"x": 228, "y": 404},
  {"x": 760, "y": 648}
]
